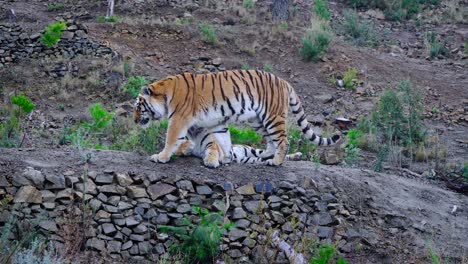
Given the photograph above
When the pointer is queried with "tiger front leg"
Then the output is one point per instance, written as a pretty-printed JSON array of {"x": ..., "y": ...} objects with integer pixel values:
[{"x": 175, "y": 135}]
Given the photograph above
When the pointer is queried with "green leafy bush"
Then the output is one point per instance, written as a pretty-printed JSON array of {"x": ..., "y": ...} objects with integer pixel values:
[
  {"x": 267, "y": 67},
  {"x": 10, "y": 129},
  {"x": 358, "y": 32},
  {"x": 248, "y": 4},
  {"x": 246, "y": 136},
  {"x": 315, "y": 44},
  {"x": 321, "y": 9},
  {"x": 134, "y": 84},
  {"x": 208, "y": 34},
  {"x": 326, "y": 254},
  {"x": 434, "y": 45},
  {"x": 199, "y": 243},
  {"x": 352, "y": 150},
  {"x": 53, "y": 33},
  {"x": 349, "y": 78},
  {"x": 298, "y": 144},
  {"x": 149, "y": 140}
]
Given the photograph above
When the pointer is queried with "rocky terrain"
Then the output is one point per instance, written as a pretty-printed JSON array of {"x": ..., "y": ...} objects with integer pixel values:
[{"x": 398, "y": 216}]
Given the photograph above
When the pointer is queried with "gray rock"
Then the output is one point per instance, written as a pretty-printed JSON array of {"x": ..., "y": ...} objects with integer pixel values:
[
  {"x": 247, "y": 189},
  {"x": 127, "y": 245},
  {"x": 114, "y": 246},
  {"x": 324, "y": 98},
  {"x": 132, "y": 221},
  {"x": 255, "y": 206},
  {"x": 278, "y": 217},
  {"x": 109, "y": 229},
  {"x": 138, "y": 238},
  {"x": 47, "y": 196},
  {"x": 28, "y": 194},
  {"x": 162, "y": 219},
  {"x": 88, "y": 187},
  {"x": 143, "y": 248},
  {"x": 150, "y": 214},
  {"x": 49, "y": 226},
  {"x": 103, "y": 179},
  {"x": 219, "y": 205},
  {"x": 249, "y": 242},
  {"x": 160, "y": 189},
  {"x": 55, "y": 182},
  {"x": 29, "y": 176},
  {"x": 124, "y": 206},
  {"x": 235, "y": 253},
  {"x": 3, "y": 181},
  {"x": 134, "y": 250},
  {"x": 264, "y": 187},
  {"x": 324, "y": 232},
  {"x": 183, "y": 208},
  {"x": 238, "y": 213},
  {"x": 135, "y": 192},
  {"x": 287, "y": 227},
  {"x": 204, "y": 190},
  {"x": 217, "y": 62},
  {"x": 237, "y": 234},
  {"x": 274, "y": 199},
  {"x": 185, "y": 185},
  {"x": 101, "y": 214},
  {"x": 322, "y": 219},
  {"x": 352, "y": 233},
  {"x": 140, "y": 229},
  {"x": 175, "y": 215},
  {"x": 286, "y": 185},
  {"x": 96, "y": 243},
  {"x": 112, "y": 189},
  {"x": 242, "y": 223},
  {"x": 124, "y": 179}
]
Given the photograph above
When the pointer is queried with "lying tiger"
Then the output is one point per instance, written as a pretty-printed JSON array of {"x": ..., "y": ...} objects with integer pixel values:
[
  {"x": 215, "y": 100},
  {"x": 209, "y": 145}
]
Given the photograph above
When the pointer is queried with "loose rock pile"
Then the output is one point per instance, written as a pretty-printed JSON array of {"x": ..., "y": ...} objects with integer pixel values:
[
  {"x": 16, "y": 44},
  {"x": 128, "y": 208}
]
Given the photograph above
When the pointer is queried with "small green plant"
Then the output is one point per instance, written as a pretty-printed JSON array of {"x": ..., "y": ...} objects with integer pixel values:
[
  {"x": 283, "y": 25},
  {"x": 199, "y": 243},
  {"x": 326, "y": 254},
  {"x": 321, "y": 9},
  {"x": 245, "y": 67},
  {"x": 245, "y": 136},
  {"x": 53, "y": 33},
  {"x": 248, "y": 4},
  {"x": 208, "y": 34},
  {"x": 55, "y": 7},
  {"x": 11, "y": 128},
  {"x": 298, "y": 144},
  {"x": 148, "y": 140},
  {"x": 434, "y": 45},
  {"x": 268, "y": 68},
  {"x": 358, "y": 32},
  {"x": 352, "y": 150},
  {"x": 350, "y": 78},
  {"x": 134, "y": 84},
  {"x": 111, "y": 19},
  {"x": 315, "y": 44}
]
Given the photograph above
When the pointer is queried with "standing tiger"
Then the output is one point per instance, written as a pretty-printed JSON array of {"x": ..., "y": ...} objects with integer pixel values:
[
  {"x": 210, "y": 145},
  {"x": 216, "y": 99}
]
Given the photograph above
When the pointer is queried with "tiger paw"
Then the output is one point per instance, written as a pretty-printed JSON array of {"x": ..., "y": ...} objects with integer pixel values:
[
  {"x": 158, "y": 158},
  {"x": 272, "y": 162},
  {"x": 211, "y": 163},
  {"x": 295, "y": 156}
]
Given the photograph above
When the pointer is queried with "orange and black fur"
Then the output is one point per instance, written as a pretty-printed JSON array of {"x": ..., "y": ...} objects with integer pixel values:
[{"x": 216, "y": 99}]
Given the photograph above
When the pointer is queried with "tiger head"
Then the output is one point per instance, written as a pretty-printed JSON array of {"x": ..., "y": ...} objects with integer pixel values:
[{"x": 151, "y": 103}]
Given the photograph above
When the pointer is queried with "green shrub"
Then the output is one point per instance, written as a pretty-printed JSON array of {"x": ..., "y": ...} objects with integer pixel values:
[
  {"x": 352, "y": 150},
  {"x": 199, "y": 243},
  {"x": 283, "y": 25},
  {"x": 55, "y": 7},
  {"x": 111, "y": 19},
  {"x": 349, "y": 78},
  {"x": 246, "y": 136},
  {"x": 321, "y": 9},
  {"x": 208, "y": 34},
  {"x": 10, "y": 129},
  {"x": 315, "y": 44},
  {"x": 434, "y": 45},
  {"x": 248, "y": 4},
  {"x": 359, "y": 33},
  {"x": 326, "y": 254},
  {"x": 134, "y": 84},
  {"x": 245, "y": 67},
  {"x": 148, "y": 140},
  {"x": 53, "y": 33},
  {"x": 298, "y": 144},
  {"x": 268, "y": 68}
]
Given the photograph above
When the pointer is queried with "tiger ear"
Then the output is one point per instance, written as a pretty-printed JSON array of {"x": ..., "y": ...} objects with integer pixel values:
[{"x": 145, "y": 90}]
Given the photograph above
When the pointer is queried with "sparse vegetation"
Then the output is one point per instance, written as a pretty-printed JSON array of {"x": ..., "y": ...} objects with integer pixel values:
[
  {"x": 297, "y": 143},
  {"x": 326, "y": 254},
  {"x": 111, "y": 19},
  {"x": 321, "y": 9},
  {"x": 11, "y": 128},
  {"x": 248, "y": 4},
  {"x": 434, "y": 45},
  {"x": 246, "y": 136},
  {"x": 55, "y": 7},
  {"x": 395, "y": 9},
  {"x": 208, "y": 34},
  {"x": 268, "y": 67},
  {"x": 360, "y": 33},
  {"x": 350, "y": 78},
  {"x": 53, "y": 33},
  {"x": 315, "y": 43},
  {"x": 199, "y": 242},
  {"x": 352, "y": 150},
  {"x": 134, "y": 84},
  {"x": 245, "y": 67}
]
